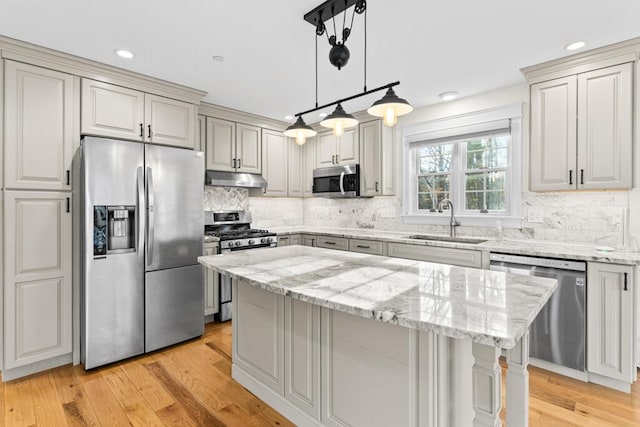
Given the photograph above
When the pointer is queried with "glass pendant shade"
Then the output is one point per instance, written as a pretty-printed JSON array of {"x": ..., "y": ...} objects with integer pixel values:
[
  {"x": 339, "y": 120},
  {"x": 389, "y": 107},
  {"x": 300, "y": 131}
]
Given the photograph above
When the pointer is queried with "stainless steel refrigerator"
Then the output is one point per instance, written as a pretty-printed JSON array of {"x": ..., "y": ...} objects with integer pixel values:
[{"x": 141, "y": 227}]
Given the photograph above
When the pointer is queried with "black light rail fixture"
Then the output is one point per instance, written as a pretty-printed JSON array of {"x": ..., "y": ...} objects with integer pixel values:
[{"x": 389, "y": 107}]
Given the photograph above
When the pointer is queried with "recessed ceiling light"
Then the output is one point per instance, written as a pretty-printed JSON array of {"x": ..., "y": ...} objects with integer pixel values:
[
  {"x": 576, "y": 45},
  {"x": 322, "y": 115},
  {"x": 288, "y": 117},
  {"x": 123, "y": 53},
  {"x": 448, "y": 96},
  {"x": 218, "y": 58}
]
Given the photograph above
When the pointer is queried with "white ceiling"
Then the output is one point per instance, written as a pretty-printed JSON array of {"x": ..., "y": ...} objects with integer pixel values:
[{"x": 468, "y": 46}]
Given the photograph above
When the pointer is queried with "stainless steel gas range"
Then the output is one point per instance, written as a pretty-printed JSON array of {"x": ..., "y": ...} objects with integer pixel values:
[{"x": 232, "y": 229}]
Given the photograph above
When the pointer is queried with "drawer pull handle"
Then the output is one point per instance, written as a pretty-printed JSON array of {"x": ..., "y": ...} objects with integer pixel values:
[
  {"x": 625, "y": 281},
  {"x": 363, "y": 246},
  {"x": 329, "y": 243}
]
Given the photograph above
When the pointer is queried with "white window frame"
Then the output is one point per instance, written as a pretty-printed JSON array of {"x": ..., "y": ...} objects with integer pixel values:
[{"x": 459, "y": 125}]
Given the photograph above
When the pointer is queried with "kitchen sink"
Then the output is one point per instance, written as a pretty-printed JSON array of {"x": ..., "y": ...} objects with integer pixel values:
[{"x": 471, "y": 240}]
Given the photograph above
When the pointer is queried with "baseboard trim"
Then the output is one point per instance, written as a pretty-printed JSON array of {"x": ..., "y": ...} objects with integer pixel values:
[
  {"x": 273, "y": 399},
  {"x": 23, "y": 371},
  {"x": 622, "y": 386}
]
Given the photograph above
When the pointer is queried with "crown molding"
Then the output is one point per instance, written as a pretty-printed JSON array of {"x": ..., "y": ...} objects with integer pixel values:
[
  {"x": 614, "y": 54},
  {"x": 20, "y": 51},
  {"x": 225, "y": 113}
]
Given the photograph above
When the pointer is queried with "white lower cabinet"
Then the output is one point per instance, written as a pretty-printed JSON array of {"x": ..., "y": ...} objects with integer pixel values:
[
  {"x": 610, "y": 290},
  {"x": 308, "y": 240},
  {"x": 302, "y": 355},
  {"x": 460, "y": 257},
  {"x": 338, "y": 243},
  {"x": 37, "y": 277},
  {"x": 258, "y": 334},
  {"x": 210, "y": 283}
]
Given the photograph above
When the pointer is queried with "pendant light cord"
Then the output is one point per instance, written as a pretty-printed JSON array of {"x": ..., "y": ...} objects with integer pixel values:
[
  {"x": 316, "y": 71},
  {"x": 365, "y": 50}
]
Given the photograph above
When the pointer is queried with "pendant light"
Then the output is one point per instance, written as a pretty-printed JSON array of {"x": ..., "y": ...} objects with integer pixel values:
[
  {"x": 389, "y": 107},
  {"x": 339, "y": 120},
  {"x": 300, "y": 131}
]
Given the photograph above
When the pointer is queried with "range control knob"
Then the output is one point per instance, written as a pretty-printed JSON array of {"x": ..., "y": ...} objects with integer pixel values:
[
  {"x": 263, "y": 240},
  {"x": 251, "y": 242},
  {"x": 237, "y": 243},
  {"x": 269, "y": 240}
]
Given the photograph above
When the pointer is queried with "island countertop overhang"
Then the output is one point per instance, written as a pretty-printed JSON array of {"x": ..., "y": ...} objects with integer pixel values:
[{"x": 486, "y": 307}]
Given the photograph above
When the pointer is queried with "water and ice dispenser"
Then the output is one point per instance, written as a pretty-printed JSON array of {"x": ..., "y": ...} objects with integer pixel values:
[{"x": 114, "y": 230}]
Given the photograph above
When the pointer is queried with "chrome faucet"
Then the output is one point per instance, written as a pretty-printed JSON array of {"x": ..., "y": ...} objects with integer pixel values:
[{"x": 454, "y": 222}]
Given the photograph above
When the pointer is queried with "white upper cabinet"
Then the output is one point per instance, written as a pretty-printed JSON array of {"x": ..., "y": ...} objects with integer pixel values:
[
  {"x": 112, "y": 111},
  {"x": 309, "y": 150},
  {"x": 39, "y": 111},
  {"x": 274, "y": 167},
  {"x": 370, "y": 166},
  {"x": 248, "y": 148},
  {"x": 605, "y": 129},
  {"x": 295, "y": 165},
  {"x": 220, "y": 145},
  {"x": 117, "y": 112},
  {"x": 170, "y": 122},
  {"x": 581, "y": 130},
  {"x": 331, "y": 151},
  {"x": 233, "y": 147}
]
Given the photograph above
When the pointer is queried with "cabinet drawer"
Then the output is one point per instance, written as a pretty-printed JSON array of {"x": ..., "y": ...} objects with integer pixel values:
[
  {"x": 210, "y": 249},
  {"x": 365, "y": 246},
  {"x": 461, "y": 257},
  {"x": 338, "y": 243},
  {"x": 283, "y": 241}
]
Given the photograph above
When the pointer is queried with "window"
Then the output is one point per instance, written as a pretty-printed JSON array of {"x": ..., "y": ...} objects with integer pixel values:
[{"x": 475, "y": 165}]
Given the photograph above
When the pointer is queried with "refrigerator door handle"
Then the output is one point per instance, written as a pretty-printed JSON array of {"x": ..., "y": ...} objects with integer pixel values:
[
  {"x": 150, "y": 221},
  {"x": 139, "y": 210}
]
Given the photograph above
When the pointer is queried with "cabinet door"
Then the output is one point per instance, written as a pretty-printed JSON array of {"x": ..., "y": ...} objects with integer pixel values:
[
  {"x": 295, "y": 168},
  {"x": 348, "y": 150},
  {"x": 370, "y": 166},
  {"x": 220, "y": 146},
  {"x": 39, "y": 131},
  {"x": 274, "y": 167},
  {"x": 37, "y": 277},
  {"x": 295, "y": 239},
  {"x": 325, "y": 149},
  {"x": 308, "y": 240},
  {"x": 248, "y": 148},
  {"x": 202, "y": 133},
  {"x": 112, "y": 111},
  {"x": 302, "y": 355},
  {"x": 170, "y": 122},
  {"x": 309, "y": 166},
  {"x": 283, "y": 241},
  {"x": 610, "y": 321},
  {"x": 210, "y": 284},
  {"x": 553, "y": 135},
  {"x": 605, "y": 130}
]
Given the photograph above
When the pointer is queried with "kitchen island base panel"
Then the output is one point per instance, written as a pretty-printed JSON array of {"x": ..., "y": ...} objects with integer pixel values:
[{"x": 375, "y": 373}]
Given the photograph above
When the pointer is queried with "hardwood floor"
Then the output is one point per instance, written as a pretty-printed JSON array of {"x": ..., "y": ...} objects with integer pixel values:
[{"x": 190, "y": 385}]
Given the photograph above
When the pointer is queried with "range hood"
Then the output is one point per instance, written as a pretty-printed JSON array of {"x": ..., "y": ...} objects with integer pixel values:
[{"x": 234, "y": 179}]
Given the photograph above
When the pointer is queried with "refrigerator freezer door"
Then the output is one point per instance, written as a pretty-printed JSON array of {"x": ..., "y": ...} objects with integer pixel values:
[
  {"x": 174, "y": 306},
  {"x": 112, "y": 324},
  {"x": 175, "y": 193}
]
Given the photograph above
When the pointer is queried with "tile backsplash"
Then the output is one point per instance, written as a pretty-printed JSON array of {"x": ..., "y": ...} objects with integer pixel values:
[{"x": 572, "y": 217}]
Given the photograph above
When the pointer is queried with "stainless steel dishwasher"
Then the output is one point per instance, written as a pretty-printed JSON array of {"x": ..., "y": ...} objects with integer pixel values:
[{"x": 558, "y": 333}]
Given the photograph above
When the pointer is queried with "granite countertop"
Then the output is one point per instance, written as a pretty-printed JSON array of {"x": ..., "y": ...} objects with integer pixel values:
[
  {"x": 581, "y": 252},
  {"x": 484, "y": 306}
]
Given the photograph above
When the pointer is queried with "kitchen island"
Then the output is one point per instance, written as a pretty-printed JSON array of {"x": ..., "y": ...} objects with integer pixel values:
[{"x": 336, "y": 338}]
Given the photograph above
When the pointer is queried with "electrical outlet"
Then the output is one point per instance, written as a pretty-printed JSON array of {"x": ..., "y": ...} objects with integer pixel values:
[{"x": 535, "y": 215}]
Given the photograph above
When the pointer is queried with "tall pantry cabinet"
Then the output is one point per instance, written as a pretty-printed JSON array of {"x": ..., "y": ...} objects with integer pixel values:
[{"x": 41, "y": 132}]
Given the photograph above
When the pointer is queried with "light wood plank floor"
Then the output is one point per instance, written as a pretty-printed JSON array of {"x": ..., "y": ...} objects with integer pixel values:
[{"x": 190, "y": 385}]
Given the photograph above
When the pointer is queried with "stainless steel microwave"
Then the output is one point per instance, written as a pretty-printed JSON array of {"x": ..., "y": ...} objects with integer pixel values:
[{"x": 337, "y": 182}]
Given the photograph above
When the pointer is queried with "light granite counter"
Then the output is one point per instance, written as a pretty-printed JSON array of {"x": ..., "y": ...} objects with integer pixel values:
[
  {"x": 519, "y": 247},
  {"x": 486, "y": 307}
]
